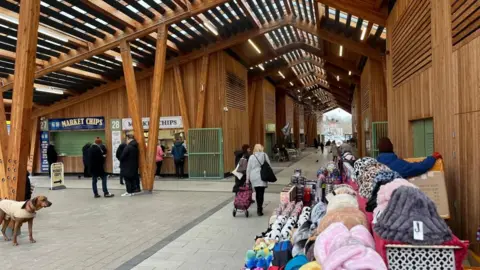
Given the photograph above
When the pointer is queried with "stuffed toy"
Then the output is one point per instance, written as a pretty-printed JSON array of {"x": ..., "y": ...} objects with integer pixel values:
[
  {"x": 287, "y": 230},
  {"x": 250, "y": 259}
]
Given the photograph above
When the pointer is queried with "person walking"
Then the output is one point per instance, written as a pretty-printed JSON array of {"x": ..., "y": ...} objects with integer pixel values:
[
  {"x": 245, "y": 154},
  {"x": 255, "y": 162},
  {"x": 86, "y": 170},
  {"x": 334, "y": 151},
  {"x": 96, "y": 165},
  {"x": 159, "y": 159},
  {"x": 315, "y": 144},
  {"x": 52, "y": 157},
  {"x": 178, "y": 153},
  {"x": 322, "y": 146},
  {"x": 129, "y": 166},
  {"x": 118, "y": 154}
]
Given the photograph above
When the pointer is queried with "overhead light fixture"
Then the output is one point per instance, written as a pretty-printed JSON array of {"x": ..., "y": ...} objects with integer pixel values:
[
  {"x": 364, "y": 32},
  {"x": 254, "y": 46},
  {"x": 349, "y": 73},
  {"x": 261, "y": 67},
  {"x": 338, "y": 78},
  {"x": 50, "y": 90},
  {"x": 341, "y": 51},
  {"x": 291, "y": 83},
  {"x": 281, "y": 74},
  {"x": 211, "y": 28}
]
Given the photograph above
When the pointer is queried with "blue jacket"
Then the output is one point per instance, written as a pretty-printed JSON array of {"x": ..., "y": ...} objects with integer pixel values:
[
  {"x": 178, "y": 151},
  {"x": 404, "y": 168}
]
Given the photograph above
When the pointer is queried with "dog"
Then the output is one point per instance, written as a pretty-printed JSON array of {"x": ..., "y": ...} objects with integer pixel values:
[{"x": 14, "y": 214}]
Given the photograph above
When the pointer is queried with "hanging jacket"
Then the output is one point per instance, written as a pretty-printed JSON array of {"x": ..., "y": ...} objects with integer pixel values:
[
  {"x": 404, "y": 168},
  {"x": 129, "y": 160},
  {"x": 178, "y": 151}
]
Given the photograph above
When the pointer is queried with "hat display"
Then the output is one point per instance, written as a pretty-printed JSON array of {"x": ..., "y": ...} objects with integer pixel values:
[
  {"x": 365, "y": 179},
  {"x": 407, "y": 205},
  {"x": 344, "y": 189},
  {"x": 349, "y": 216},
  {"x": 341, "y": 201}
]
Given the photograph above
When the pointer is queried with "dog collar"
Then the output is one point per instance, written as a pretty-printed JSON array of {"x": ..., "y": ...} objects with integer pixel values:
[{"x": 30, "y": 207}]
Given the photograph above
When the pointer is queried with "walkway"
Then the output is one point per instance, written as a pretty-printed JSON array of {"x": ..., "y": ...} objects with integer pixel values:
[{"x": 165, "y": 230}]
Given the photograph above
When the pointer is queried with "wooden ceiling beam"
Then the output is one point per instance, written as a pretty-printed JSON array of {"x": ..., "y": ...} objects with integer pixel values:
[
  {"x": 181, "y": 4},
  {"x": 114, "y": 42},
  {"x": 248, "y": 11},
  {"x": 358, "y": 9}
]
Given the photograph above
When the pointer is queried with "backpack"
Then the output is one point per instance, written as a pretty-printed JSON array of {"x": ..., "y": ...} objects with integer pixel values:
[
  {"x": 266, "y": 172},
  {"x": 282, "y": 253}
]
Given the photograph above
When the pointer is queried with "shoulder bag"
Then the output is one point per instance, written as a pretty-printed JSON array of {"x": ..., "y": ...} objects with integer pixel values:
[{"x": 266, "y": 171}]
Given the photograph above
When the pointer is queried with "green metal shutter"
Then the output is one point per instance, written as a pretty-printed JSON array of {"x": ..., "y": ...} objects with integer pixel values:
[
  {"x": 205, "y": 153},
  {"x": 70, "y": 143},
  {"x": 429, "y": 137},
  {"x": 379, "y": 130},
  {"x": 419, "y": 138}
]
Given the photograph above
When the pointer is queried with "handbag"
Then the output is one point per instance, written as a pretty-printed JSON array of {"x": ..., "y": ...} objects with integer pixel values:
[
  {"x": 266, "y": 172},
  {"x": 242, "y": 165}
]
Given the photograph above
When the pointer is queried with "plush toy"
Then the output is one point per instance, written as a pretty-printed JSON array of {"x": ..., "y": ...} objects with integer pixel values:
[
  {"x": 287, "y": 230},
  {"x": 250, "y": 259}
]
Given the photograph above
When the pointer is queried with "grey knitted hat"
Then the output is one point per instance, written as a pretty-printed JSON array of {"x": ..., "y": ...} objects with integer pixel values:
[
  {"x": 300, "y": 238},
  {"x": 407, "y": 205}
]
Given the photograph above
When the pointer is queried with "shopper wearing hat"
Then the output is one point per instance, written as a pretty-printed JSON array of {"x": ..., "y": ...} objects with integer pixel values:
[
  {"x": 96, "y": 159},
  {"x": 404, "y": 168}
]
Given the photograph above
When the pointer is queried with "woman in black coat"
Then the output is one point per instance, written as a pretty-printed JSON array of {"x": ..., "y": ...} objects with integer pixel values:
[
  {"x": 86, "y": 172},
  {"x": 129, "y": 166},
  {"x": 96, "y": 165},
  {"x": 118, "y": 154},
  {"x": 244, "y": 153}
]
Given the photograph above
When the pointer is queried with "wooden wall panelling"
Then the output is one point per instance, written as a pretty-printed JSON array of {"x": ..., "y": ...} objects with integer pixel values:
[
  {"x": 465, "y": 21},
  {"x": 466, "y": 83},
  {"x": 235, "y": 120},
  {"x": 411, "y": 48},
  {"x": 310, "y": 127},
  {"x": 255, "y": 111},
  {"x": 281, "y": 114},
  {"x": 133, "y": 108},
  {"x": 21, "y": 111},
  {"x": 269, "y": 106},
  {"x": 181, "y": 99},
  {"x": 289, "y": 104},
  {"x": 33, "y": 145},
  {"x": 157, "y": 91},
  {"x": 201, "y": 98},
  {"x": 3, "y": 132},
  {"x": 296, "y": 125}
]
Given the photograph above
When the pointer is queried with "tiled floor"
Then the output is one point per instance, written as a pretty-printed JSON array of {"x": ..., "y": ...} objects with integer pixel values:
[{"x": 174, "y": 229}]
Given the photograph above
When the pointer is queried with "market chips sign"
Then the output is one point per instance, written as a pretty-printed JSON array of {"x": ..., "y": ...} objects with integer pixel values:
[
  {"x": 77, "y": 123},
  {"x": 167, "y": 122}
]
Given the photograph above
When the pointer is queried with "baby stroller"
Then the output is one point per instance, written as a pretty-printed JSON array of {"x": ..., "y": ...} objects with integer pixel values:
[{"x": 243, "y": 199}]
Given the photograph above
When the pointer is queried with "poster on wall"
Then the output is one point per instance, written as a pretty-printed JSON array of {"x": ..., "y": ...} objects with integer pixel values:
[
  {"x": 44, "y": 140},
  {"x": 116, "y": 141},
  {"x": 166, "y": 122},
  {"x": 80, "y": 123}
]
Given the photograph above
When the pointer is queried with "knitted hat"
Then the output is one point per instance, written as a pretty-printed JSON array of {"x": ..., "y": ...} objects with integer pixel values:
[
  {"x": 333, "y": 244},
  {"x": 385, "y": 191},
  {"x": 296, "y": 263},
  {"x": 317, "y": 213},
  {"x": 383, "y": 177},
  {"x": 309, "y": 249},
  {"x": 311, "y": 266},
  {"x": 341, "y": 201},
  {"x": 349, "y": 216},
  {"x": 385, "y": 145},
  {"x": 98, "y": 140},
  {"x": 406, "y": 206},
  {"x": 361, "y": 164},
  {"x": 300, "y": 238},
  {"x": 365, "y": 179},
  {"x": 344, "y": 189},
  {"x": 386, "y": 176}
]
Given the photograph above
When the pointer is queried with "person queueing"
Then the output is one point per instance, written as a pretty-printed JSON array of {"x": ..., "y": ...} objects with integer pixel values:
[
  {"x": 255, "y": 162},
  {"x": 244, "y": 153},
  {"x": 96, "y": 164},
  {"x": 118, "y": 154},
  {"x": 178, "y": 153},
  {"x": 406, "y": 169},
  {"x": 52, "y": 157},
  {"x": 159, "y": 159},
  {"x": 129, "y": 166},
  {"x": 86, "y": 170}
]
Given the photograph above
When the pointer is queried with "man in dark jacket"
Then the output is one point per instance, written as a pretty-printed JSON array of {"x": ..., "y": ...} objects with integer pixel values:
[
  {"x": 129, "y": 166},
  {"x": 52, "y": 157},
  {"x": 118, "y": 154},
  {"x": 86, "y": 171},
  {"x": 96, "y": 163},
  {"x": 178, "y": 153}
]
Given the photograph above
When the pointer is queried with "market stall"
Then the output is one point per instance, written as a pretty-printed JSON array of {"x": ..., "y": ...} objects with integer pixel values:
[{"x": 363, "y": 214}]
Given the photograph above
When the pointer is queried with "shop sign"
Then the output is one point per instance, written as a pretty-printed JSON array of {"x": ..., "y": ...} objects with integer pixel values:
[
  {"x": 43, "y": 124},
  {"x": 80, "y": 123},
  {"x": 57, "y": 180},
  {"x": 116, "y": 141},
  {"x": 166, "y": 122},
  {"x": 270, "y": 128},
  {"x": 44, "y": 140}
]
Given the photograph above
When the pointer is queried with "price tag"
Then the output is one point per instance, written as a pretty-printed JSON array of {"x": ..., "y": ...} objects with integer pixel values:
[{"x": 418, "y": 230}]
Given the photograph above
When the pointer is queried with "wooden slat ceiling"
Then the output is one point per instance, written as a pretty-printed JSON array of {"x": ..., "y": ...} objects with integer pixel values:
[{"x": 72, "y": 27}]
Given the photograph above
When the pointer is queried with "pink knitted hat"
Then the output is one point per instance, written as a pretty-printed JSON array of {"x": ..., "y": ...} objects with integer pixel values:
[
  {"x": 385, "y": 192},
  {"x": 337, "y": 247}
]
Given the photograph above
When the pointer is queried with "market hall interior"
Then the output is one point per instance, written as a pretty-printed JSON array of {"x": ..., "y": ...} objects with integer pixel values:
[{"x": 209, "y": 76}]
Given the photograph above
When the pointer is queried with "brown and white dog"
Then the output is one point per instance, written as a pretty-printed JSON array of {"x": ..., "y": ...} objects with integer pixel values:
[{"x": 14, "y": 214}]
